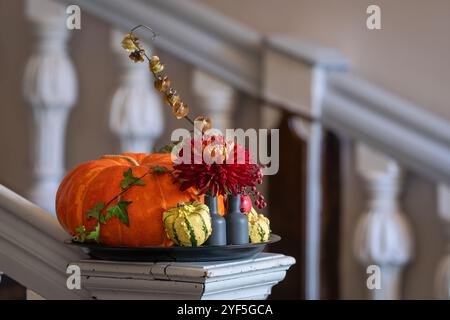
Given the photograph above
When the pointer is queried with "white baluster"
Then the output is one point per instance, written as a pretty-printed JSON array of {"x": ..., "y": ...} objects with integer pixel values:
[
  {"x": 214, "y": 99},
  {"x": 383, "y": 235},
  {"x": 50, "y": 87},
  {"x": 442, "y": 279},
  {"x": 136, "y": 108}
]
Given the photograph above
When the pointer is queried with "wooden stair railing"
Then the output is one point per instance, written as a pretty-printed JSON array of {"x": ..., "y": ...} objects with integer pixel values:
[{"x": 32, "y": 249}]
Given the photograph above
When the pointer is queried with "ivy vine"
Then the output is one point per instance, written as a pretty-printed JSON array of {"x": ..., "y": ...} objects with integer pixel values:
[{"x": 103, "y": 212}]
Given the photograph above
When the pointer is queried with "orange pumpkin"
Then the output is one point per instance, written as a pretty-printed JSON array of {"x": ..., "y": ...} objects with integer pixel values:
[{"x": 99, "y": 181}]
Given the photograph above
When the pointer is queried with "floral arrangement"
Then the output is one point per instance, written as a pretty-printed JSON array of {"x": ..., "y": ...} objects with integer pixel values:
[
  {"x": 119, "y": 207},
  {"x": 232, "y": 170}
]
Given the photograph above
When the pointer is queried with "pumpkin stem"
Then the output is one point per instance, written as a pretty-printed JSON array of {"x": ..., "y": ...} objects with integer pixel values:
[{"x": 130, "y": 159}]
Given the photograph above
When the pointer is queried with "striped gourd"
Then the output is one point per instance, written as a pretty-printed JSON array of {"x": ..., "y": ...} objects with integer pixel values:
[
  {"x": 188, "y": 224},
  {"x": 258, "y": 227}
]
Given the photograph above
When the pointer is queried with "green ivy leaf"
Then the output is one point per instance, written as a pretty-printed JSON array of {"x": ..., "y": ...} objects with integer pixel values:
[
  {"x": 130, "y": 180},
  {"x": 159, "y": 169},
  {"x": 165, "y": 149},
  {"x": 81, "y": 234},
  {"x": 96, "y": 212},
  {"x": 94, "y": 235},
  {"x": 81, "y": 229},
  {"x": 120, "y": 211}
]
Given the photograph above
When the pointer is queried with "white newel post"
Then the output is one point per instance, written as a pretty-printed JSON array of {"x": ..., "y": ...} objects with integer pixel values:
[
  {"x": 442, "y": 278},
  {"x": 214, "y": 99},
  {"x": 136, "y": 108},
  {"x": 383, "y": 237},
  {"x": 50, "y": 87}
]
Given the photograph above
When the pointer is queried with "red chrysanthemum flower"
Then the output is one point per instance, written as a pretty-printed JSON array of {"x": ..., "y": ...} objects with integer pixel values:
[{"x": 218, "y": 166}]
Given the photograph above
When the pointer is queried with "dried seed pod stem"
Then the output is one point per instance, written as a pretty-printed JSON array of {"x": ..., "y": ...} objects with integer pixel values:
[{"x": 162, "y": 83}]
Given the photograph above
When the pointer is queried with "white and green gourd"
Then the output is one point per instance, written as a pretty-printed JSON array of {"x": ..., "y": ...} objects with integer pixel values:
[
  {"x": 188, "y": 224},
  {"x": 258, "y": 227}
]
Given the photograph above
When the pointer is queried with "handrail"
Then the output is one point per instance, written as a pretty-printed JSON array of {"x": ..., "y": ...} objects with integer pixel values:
[
  {"x": 32, "y": 249},
  {"x": 416, "y": 138},
  {"x": 383, "y": 102}
]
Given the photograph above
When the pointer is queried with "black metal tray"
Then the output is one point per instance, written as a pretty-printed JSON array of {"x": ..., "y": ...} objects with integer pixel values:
[{"x": 179, "y": 254}]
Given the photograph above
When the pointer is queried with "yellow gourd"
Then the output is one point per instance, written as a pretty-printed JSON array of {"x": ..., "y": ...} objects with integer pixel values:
[
  {"x": 188, "y": 224},
  {"x": 258, "y": 227}
]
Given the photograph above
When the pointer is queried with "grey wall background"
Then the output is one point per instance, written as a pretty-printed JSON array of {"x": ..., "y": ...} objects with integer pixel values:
[{"x": 409, "y": 57}]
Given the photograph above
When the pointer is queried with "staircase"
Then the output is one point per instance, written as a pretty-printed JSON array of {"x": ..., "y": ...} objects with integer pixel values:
[{"x": 383, "y": 136}]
